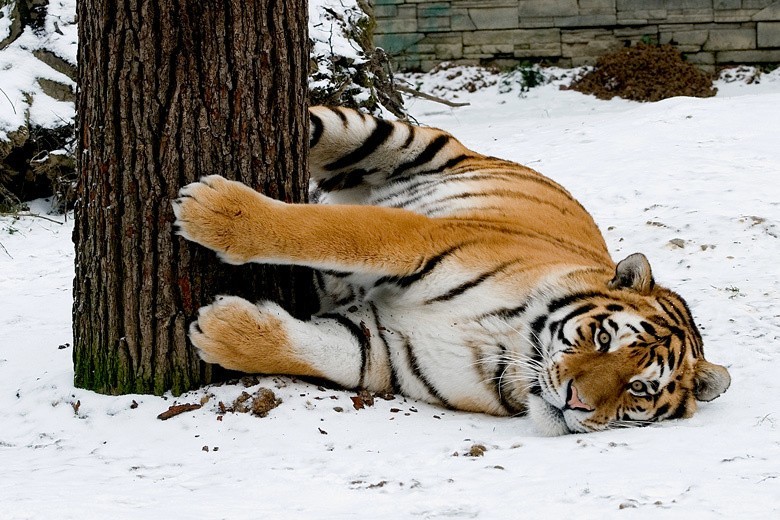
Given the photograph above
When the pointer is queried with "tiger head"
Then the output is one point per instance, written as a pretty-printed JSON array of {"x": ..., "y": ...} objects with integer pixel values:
[{"x": 628, "y": 355}]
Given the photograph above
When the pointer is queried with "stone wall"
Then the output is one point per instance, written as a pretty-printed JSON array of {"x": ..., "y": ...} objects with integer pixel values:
[{"x": 421, "y": 33}]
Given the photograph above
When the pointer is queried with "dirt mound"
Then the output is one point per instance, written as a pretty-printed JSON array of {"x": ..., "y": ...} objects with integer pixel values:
[{"x": 645, "y": 73}]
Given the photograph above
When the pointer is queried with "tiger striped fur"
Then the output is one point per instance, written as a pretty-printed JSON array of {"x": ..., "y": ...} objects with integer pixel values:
[{"x": 450, "y": 277}]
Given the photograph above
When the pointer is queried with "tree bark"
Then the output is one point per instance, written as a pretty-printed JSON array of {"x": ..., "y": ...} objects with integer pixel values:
[{"x": 171, "y": 90}]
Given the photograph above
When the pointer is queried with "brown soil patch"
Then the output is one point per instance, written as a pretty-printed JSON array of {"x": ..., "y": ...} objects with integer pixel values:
[{"x": 645, "y": 73}]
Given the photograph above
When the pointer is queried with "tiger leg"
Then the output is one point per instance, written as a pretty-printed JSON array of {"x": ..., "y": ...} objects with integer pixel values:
[
  {"x": 345, "y": 348},
  {"x": 242, "y": 225}
]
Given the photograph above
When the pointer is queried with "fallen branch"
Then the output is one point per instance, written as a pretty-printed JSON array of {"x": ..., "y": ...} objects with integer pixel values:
[
  {"x": 177, "y": 409},
  {"x": 6, "y": 251},
  {"x": 31, "y": 215},
  {"x": 417, "y": 93}
]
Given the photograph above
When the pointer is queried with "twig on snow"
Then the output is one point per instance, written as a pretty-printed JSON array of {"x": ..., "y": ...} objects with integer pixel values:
[
  {"x": 429, "y": 97},
  {"x": 31, "y": 215}
]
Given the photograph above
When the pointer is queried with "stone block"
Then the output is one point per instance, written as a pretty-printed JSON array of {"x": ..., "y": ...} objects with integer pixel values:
[
  {"x": 689, "y": 15},
  {"x": 450, "y": 51},
  {"x": 507, "y": 48},
  {"x": 386, "y": 2},
  {"x": 768, "y": 34},
  {"x": 548, "y": 8},
  {"x": 685, "y": 38},
  {"x": 734, "y": 15},
  {"x": 771, "y": 13},
  {"x": 590, "y": 7},
  {"x": 593, "y": 20},
  {"x": 701, "y": 58},
  {"x": 634, "y": 32},
  {"x": 514, "y": 36},
  {"x": 690, "y": 4},
  {"x": 727, "y": 4},
  {"x": 532, "y": 22},
  {"x": 444, "y": 38},
  {"x": 755, "y": 56},
  {"x": 433, "y": 24},
  {"x": 586, "y": 35},
  {"x": 465, "y": 4},
  {"x": 396, "y": 43},
  {"x": 434, "y": 10},
  {"x": 643, "y": 16},
  {"x": 494, "y": 18},
  {"x": 474, "y": 52},
  {"x": 422, "y": 48},
  {"x": 730, "y": 40},
  {"x": 386, "y": 11},
  {"x": 396, "y": 26},
  {"x": 640, "y": 5},
  {"x": 757, "y": 4},
  {"x": 540, "y": 50},
  {"x": 461, "y": 21},
  {"x": 588, "y": 53},
  {"x": 407, "y": 12}
]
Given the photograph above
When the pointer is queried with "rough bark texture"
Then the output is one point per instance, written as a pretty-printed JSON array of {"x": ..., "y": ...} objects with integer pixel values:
[{"x": 171, "y": 90}]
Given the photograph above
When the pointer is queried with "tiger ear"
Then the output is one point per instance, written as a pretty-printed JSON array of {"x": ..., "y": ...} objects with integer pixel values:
[
  {"x": 633, "y": 272},
  {"x": 710, "y": 379}
]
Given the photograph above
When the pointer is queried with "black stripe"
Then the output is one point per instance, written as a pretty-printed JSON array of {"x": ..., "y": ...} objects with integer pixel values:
[
  {"x": 344, "y": 180},
  {"x": 501, "y": 387},
  {"x": 680, "y": 410},
  {"x": 598, "y": 256},
  {"x": 425, "y": 156},
  {"x": 614, "y": 307},
  {"x": 380, "y": 134},
  {"x": 410, "y": 137},
  {"x": 669, "y": 312},
  {"x": 341, "y": 114},
  {"x": 460, "y": 289},
  {"x": 559, "y": 303},
  {"x": 453, "y": 162},
  {"x": 671, "y": 360},
  {"x": 430, "y": 265},
  {"x": 505, "y": 194},
  {"x": 659, "y": 413},
  {"x": 314, "y": 138},
  {"x": 395, "y": 388},
  {"x": 648, "y": 328},
  {"x": 363, "y": 342},
  {"x": 573, "y": 314},
  {"x": 414, "y": 366},
  {"x": 504, "y": 313}
]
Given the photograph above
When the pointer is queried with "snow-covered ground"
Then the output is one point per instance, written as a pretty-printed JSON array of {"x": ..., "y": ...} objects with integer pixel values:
[{"x": 693, "y": 183}]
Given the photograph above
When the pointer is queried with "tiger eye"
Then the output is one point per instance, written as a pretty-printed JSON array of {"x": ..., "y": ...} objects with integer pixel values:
[
  {"x": 604, "y": 338},
  {"x": 638, "y": 387}
]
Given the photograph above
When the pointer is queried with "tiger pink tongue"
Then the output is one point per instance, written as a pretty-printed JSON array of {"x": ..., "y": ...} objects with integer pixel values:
[{"x": 575, "y": 402}]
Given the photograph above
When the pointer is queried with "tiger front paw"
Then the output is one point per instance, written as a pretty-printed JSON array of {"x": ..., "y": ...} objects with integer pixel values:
[
  {"x": 257, "y": 339},
  {"x": 237, "y": 334},
  {"x": 225, "y": 216}
]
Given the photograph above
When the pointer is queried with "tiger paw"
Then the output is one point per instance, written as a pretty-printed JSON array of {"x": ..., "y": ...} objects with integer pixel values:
[
  {"x": 240, "y": 335},
  {"x": 225, "y": 216}
]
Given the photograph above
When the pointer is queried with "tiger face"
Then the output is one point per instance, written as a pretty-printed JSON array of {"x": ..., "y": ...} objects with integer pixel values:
[{"x": 629, "y": 356}]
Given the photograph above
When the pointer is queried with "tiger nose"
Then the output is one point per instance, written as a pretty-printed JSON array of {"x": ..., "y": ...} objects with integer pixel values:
[{"x": 573, "y": 400}]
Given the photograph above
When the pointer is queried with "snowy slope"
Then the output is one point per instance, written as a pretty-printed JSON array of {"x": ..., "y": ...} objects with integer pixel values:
[{"x": 701, "y": 172}]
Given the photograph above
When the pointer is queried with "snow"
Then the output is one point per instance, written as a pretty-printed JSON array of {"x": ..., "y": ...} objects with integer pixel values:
[
  {"x": 701, "y": 172},
  {"x": 22, "y": 101}
]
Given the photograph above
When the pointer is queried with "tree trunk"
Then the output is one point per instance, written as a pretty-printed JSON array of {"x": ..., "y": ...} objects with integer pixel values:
[{"x": 171, "y": 90}]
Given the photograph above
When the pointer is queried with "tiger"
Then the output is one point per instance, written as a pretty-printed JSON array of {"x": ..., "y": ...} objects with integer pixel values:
[{"x": 450, "y": 277}]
